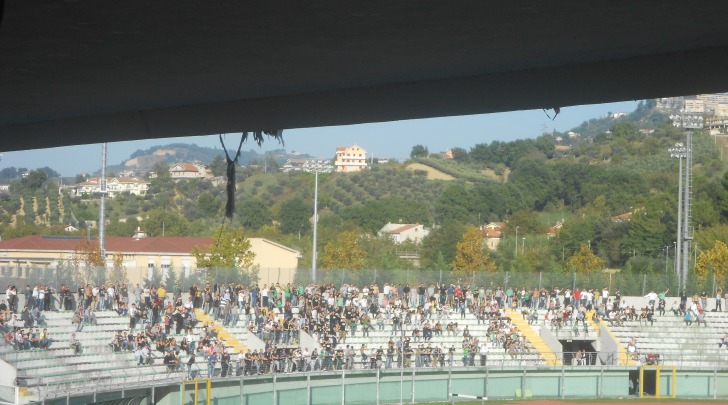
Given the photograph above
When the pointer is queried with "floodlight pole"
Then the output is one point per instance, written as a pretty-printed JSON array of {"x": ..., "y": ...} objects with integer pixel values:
[
  {"x": 315, "y": 228},
  {"x": 687, "y": 186},
  {"x": 680, "y": 152},
  {"x": 315, "y": 166},
  {"x": 102, "y": 206}
]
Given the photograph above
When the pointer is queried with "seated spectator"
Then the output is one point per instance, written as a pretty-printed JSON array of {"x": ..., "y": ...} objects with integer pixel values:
[
  {"x": 76, "y": 320},
  {"x": 675, "y": 308},
  {"x": 121, "y": 309},
  {"x": 44, "y": 341},
  {"x": 723, "y": 342},
  {"x": 4, "y": 311},
  {"x": 75, "y": 344},
  {"x": 171, "y": 361}
]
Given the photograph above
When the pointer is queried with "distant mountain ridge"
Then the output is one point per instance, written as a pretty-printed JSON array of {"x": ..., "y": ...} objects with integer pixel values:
[{"x": 143, "y": 161}]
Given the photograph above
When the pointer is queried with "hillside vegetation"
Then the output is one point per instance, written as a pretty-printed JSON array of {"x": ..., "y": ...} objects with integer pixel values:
[{"x": 610, "y": 167}]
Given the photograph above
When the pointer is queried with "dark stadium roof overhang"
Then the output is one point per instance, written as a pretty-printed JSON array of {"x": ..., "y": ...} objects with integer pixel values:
[{"x": 87, "y": 71}]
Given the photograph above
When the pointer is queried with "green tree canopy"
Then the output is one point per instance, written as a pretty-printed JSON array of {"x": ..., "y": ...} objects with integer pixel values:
[
  {"x": 471, "y": 254},
  {"x": 344, "y": 252},
  {"x": 419, "y": 151},
  {"x": 294, "y": 216},
  {"x": 230, "y": 248}
]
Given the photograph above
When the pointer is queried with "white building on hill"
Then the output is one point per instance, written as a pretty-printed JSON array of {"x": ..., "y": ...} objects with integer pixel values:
[
  {"x": 350, "y": 159},
  {"x": 404, "y": 232}
]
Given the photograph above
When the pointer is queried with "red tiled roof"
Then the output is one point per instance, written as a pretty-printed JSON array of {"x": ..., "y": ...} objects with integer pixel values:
[
  {"x": 492, "y": 233},
  {"x": 187, "y": 167},
  {"x": 622, "y": 217},
  {"x": 404, "y": 228},
  {"x": 113, "y": 244}
]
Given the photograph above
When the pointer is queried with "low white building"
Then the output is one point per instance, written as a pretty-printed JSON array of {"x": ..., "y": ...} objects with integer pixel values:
[
  {"x": 187, "y": 171},
  {"x": 404, "y": 232},
  {"x": 114, "y": 186}
]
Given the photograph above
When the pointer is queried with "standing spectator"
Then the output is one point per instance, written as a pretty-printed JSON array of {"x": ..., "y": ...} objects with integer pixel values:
[
  {"x": 211, "y": 360},
  {"x": 718, "y": 300}
]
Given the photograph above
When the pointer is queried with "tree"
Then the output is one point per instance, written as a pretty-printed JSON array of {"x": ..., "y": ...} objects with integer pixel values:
[
  {"x": 585, "y": 261},
  {"x": 207, "y": 204},
  {"x": 454, "y": 204},
  {"x": 117, "y": 274},
  {"x": 344, "y": 252},
  {"x": 294, "y": 216},
  {"x": 229, "y": 252},
  {"x": 166, "y": 223},
  {"x": 218, "y": 166},
  {"x": 715, "y": 259},
  {"x": 459, "y": 154},
  {"x": 253, "y": 214},
  {"x": 528, "y": 223},
  {"x": 34, "y": 180},
  {"x": 471, "y": 254},
  {"x": 88, "y": 262},
  {"x": 441, "y": 243},
  {"x": 419, "y": 151}
]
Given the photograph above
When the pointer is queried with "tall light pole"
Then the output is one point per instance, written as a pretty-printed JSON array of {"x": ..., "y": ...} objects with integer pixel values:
[
  {"x": 516, "y": 254},
  {"x": 523, "y": 246},
  {"x": 102, "y": 206},
  {"x": 687, "y": 190},
  {"x": 316, "y": 166},
  {"x": 684, "y": 152},
  {"x": 679, "y": 151}
]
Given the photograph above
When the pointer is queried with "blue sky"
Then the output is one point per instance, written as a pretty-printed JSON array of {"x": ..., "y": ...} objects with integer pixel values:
[{"x": 386, "y": 139}]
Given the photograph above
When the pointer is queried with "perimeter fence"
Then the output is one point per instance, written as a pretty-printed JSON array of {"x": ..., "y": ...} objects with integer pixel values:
[{"x": 628, "y": 284}]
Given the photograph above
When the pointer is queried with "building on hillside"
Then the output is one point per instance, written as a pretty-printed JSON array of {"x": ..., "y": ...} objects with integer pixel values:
[
  {"x": 711, "y": 101},
  {"x": 721, "y": 110},
  {"x": 626, "y": 217},
  {"x": 499, "y": 226},
  {"x": 694, "y": 105},
  {"x": 493, "y": 234},
  {"x": 492, "y": 237},
  {"x": 401, "y": 233},
  {"x": 350, "y": 159},
  {"x": 126, "y": 173},
  {"x": 70, "y": 228},
  {"x": 448, "y": 154},
  {"x": 183, "y": 171},
  {"x": 21, "y": 257},
  {"x": 554, "y": 230},
  {"x": 114, "y": 186},
  {"x": 293, "y": 165}
]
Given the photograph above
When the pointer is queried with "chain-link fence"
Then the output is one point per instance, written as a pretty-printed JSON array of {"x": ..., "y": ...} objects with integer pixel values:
[{"x": 629, "y": 284}]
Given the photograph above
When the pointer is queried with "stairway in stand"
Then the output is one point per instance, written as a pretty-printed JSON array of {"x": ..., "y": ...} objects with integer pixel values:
[
  {"x": 230, "y": 340},
  {"x": 533, "y": 338},
  {"x": 623, "y": 356}
]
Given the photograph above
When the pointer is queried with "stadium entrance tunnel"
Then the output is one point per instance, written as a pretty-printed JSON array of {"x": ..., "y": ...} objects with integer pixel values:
[{"x": 578, "y": 352}]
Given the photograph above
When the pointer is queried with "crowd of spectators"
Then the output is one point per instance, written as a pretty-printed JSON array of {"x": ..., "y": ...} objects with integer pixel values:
[{"x": 162, "y": 324}]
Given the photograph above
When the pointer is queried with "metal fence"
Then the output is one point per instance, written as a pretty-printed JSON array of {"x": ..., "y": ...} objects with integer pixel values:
[
  {"x": 628, "y": 284},
  {"x": 396, "y": 386}
]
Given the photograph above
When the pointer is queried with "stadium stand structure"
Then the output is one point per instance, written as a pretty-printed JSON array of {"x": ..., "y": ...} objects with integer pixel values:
[
  {"x": 675, "y": 343},
  {"x": 59, "y": 370}
]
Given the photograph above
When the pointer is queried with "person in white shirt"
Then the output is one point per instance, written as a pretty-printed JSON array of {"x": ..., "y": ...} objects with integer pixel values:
[
  {"x": 110, "y": 297},
  {"x": 652, "y": 297},
  {"x": 41, "y": 299},
  {"x": 483, "y": 354},
  {"x": 95, "y": 294}
]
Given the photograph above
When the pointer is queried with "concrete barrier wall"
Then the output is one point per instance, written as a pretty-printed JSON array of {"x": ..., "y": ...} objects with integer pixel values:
[{"x": 393, "y": 386}]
